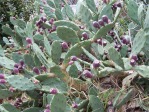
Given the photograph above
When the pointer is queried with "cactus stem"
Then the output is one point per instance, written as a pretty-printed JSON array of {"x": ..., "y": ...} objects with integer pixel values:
[{"x": 84, "y": 62}]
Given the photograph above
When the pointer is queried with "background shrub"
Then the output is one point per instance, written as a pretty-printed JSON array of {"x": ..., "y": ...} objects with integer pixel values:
[{"x": 17, "y": 8}]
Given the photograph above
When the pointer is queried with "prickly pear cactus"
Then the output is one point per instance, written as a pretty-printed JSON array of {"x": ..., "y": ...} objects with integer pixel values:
[{"x": 88, "y": 57}]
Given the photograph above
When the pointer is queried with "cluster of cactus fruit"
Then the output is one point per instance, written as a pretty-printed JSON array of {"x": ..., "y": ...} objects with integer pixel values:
[{"x": 58, "y": 54}]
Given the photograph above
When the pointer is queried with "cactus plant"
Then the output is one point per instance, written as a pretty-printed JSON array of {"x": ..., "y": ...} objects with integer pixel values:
[{"x": 72, "y": 57}]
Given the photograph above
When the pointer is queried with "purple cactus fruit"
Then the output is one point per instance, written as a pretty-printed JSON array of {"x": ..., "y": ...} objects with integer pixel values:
[
  {"x": 73, "y": 58},
  {"x": 87, "y": 74},
  {"x": 2, "y": 76},
  {"x": 44, "y": 19},
  {"x": 53, "y": 91},
  {"x": 2, "y": 81},
  {"x": 64, "y": 45},
  {"x": 132, "y": 62},
  {"x": 36, "y": 70},
  {"x": 99, "y": 41},
  {"x": 19, "y": 100},
  {"x": 85, "y": 36},
  {"x": 74, "y": 105},
  {"x": 101, "y": 23},
  {"x": 47, "y": 110},
  {"x": 105, "y": 1},
  {"x": 111, "y": 33},
  {"x": 104, "y": 43},
  {"x": 51, "y": 21},
  {"x": 21, "y": 67},
  {"x": 16, "y": 65},
  {"x": 71, "y": 62},
  {"x": 134, "y": 57},
  {"x": 119, "y": 4},
  {"x": 96, "y": 63},
  {"x": 38, "y": 23},
  {"x": 110, "y": 109},
  {"x": 43, "y": 68},
  {"x": 110, "y": 103},
  {"x": 105, "y": 19},
  {"x": 29, "y": 40},
  {"x": 53, "y": 28},
  {"x": 114, "y": 6},
  {"x": 11, "y": 89},
  {"x": 47, "y": 106},
  {"x": 16, "y": 70},
  {"x": 21, "y": 62},
  {"x": 96, "y": 25},
  {"x": 125, "y": 40}
]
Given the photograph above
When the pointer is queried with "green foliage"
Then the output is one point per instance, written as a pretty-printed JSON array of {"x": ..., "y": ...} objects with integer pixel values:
[
  {"x": 56, "y": 46},
  {"x": 71, "y": 78},
  {"x": 54, "y": 83},
  {"x": 96, "y": 104},
  {"x": 67, "y": 34},
  {"x": 61, "y": 100},
  {"x": 5, "y": 94},
  {"x": 21, "y": 83}
]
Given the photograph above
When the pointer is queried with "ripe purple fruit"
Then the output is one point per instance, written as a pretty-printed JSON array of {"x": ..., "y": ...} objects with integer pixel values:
[
  {"x": 53, "y": 28},
  {"x": 43, "y": 68},
  {"x": 74, "y": 105},
  {"x": 96, "y": 25},
  {"x": 11, "y": 89},
  {"x": 51, "y": 21},
  {"x": 101, "y": 23},
  {"x": 29, "y": 40},
  {"x": 16, "y": 65},
  {"x": 36, "y": 70},
  {"x": 125, "y": 40},
  {"x": 64, "y": 45},
  {"x": 96, "y": 63},
  {"x": 73, "y": 58},
  {"x": 111, "y": 33},
  {"x": 99, "y": 41},
  {"x": 44, "y": 19},
  {"x": 2, "y": 81},
  {"x": 2, "y": 76},
  {"x": 132, "y": 62},
  {"x": 114, "y": 6},
  {"x": 105, "y": 19},
  {"x": 104, "y": 43},
  {"x": 53, "y": 91},
  {"x": 71, "y": 62},
  {"x": 47, "y": 106},
  {"x": 134, "y": 57},
  {"x": 85, "y": 36},
  {"x": 47, "y": 110},
  {"x": 15, "y": 70},
  {"x": 21, "y": 62},
  {"x": 119, "y": 5},
  {"x": 87, "y": 74},
  {"x": 105, "y": 1}
]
